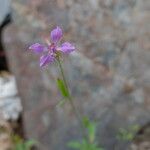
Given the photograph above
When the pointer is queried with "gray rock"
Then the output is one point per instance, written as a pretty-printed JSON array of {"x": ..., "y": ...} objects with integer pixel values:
[
  {"x": 4, "y": 9},
  {"x": 108, "y": 75}
]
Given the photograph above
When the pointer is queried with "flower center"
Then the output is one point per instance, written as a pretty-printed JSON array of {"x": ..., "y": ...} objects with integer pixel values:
[{"x": 52, "y": 47}]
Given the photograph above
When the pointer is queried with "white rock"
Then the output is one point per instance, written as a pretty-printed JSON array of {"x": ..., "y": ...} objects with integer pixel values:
[{"x": 10, "y": 103}]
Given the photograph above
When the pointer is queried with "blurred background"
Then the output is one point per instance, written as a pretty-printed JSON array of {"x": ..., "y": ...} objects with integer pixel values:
[{"x": 109, "y": 74}]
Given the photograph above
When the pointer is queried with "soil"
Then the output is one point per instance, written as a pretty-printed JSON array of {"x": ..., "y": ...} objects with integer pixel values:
[{"x": 142, "y": 139}]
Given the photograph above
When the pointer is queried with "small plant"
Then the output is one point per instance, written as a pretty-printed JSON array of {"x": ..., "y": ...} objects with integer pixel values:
[
  {"x": 51, "y": 52},
  {"x": 90, "y": 143},
  {"x": 21, "y": 144},
  {"x": 127, "y": 134}
]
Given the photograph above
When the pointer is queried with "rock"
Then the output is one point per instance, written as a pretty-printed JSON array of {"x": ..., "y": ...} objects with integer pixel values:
[
  {"x": 5, "y": 135},
  {"x": 4, "y": 9},
  {"x": 108, "y": 75},
  {"x": 10, "y": 103}
]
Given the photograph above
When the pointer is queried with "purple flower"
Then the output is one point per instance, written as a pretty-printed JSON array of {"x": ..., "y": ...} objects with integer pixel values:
[
  {"x": 37, "y": 48},
  {"x": 56, "y": 34},
  {"x": 52, "y": 49},
  {"x": 45, "y": 59},
  {"x": 67, "y": 47}
]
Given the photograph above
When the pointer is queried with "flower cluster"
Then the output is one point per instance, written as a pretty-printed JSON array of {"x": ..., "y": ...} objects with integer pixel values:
[{"x": 52, "y": 49}]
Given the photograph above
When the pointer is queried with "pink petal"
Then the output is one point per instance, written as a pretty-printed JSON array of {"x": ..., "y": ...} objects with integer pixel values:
[
  {"x": 37, "y": 48},
  {"x": 56, "y": 34},
  {"x": 67, "y": 47}
]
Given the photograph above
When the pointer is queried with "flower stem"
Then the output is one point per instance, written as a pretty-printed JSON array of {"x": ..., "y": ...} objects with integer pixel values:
[{"x": 71, "y": 101}]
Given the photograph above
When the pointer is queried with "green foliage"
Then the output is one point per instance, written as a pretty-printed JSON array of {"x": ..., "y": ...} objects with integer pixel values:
[
  {"x": 91, "y": 129},
  {"x": 61, "y": 102},
  {"x": 63, "y": 89},
  {"x": 86, "y": 144},
  {"x": 20, "y": 144},
  {"x": 89, "y": 142},
  {"x": 127, "y": 134}
]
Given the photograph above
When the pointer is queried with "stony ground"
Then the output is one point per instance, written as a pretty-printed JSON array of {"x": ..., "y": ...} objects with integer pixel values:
[
  {"x": 142, "y": 139},
  {"x": 5, "y": 135}
]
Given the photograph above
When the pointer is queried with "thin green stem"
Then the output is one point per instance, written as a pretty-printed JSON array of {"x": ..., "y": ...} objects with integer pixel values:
[{"x": 71, "y": 100}]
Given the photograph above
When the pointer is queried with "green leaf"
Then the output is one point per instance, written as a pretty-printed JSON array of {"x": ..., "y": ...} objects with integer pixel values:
[
  {"x": 91, "y": 131},
  {"x": 19, "y": 146},
  {"x": 86, "y": 122},
  {"x": 126, "y": 134},
  {"x": 91, "y": 127},
  {"x": 84, "y": 145},
  {"x": 61, "y": 86},
  {"x": 61, "y": 103},
  {"x": 29, "y": 144},
  {"x": 135, "y": 128},
  {"x": 129, "y": 136},
  {"x": 74, "y": 144}
]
